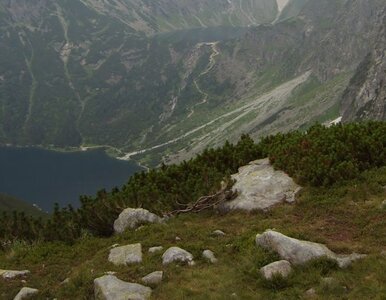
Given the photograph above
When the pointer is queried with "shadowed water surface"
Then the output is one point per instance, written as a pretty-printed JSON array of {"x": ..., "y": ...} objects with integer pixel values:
[{"x": 44, "y": 177}]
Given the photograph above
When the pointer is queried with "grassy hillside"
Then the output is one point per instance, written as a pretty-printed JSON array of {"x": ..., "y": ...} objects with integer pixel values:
[
  {"x": 347, "y": 217},
  {"x": 9, "y": 204}
]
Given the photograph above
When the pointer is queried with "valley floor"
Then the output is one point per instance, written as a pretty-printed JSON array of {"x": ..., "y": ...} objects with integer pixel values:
[{"x": 347, "y": 218}]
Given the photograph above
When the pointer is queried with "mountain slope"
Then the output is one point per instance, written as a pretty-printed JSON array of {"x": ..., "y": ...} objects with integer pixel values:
[
  {"x": 112, "y": 73},
  {"x": 10, "y": 204},
  {"x": 365, "y": 97}
]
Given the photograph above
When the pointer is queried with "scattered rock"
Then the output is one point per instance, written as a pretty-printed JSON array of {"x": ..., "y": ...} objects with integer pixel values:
[
  {"x": 311, "y": 292},
  {"x": 65, "y": 281},
  {"x": 383, "y": 205},
  {"x": 109, "y": 287},
  {"x": 260, "y": 187},
  {"x": 176, "y": 254},
  {"x": 178, "y": 238},
  {"x": 26, "y": 293},
  {"x": 153, "y": 278},
  {"x": 132, "y": 218},
  {"x": 155, "y": 249},
  {"x": 209, "y": 255},
  {"x": 10, "y": 274},
  {"x": 114, "y": 246},
  {"x": 299, "y": 252},
  {"x": 110, "y": 273},
  {"x": 281, "y": 267},
  {"x": 125, "y": 255},
  {"x": 218, "y": 233}
]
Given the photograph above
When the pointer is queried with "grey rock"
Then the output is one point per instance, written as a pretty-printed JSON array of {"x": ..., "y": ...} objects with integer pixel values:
[
  {"x": 209, "y": 255},
  {"x": 153, "y": 278},
  {"x": 218, "y": 233},
  {"x": 311, "y": 292},
  {"x": 176, "y": 254},
  {"x": 178, "y": 238},
  {"x": 109, "y": 287},
  {"x": 259, "y": 187},
  {"x": 11, "y": 274},
  {"x": 383, "y": 205},
  {"x": 26, "y": 293},
  {"x": 299, "y": 252},
  {"x": 281, "y": 267},
  {"x": 125, "y": 255},
  {"x": 155, "y": 249},
  {"x": 132, "y": 218}
]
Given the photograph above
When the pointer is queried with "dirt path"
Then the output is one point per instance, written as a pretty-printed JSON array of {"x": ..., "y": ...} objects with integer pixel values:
[{"x": 211, "y": 64}]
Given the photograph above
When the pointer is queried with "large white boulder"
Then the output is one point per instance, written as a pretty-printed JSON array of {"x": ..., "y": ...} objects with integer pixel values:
[
  {"x": 260, "y": 187},
  {"x": 281, "y": 267},
  {"x": 11, "y": 274},
  {"x": 299, "y": 252},
  {"x": 176, "y": 254},
  {"x": 132, "y": 218},
  {"x": 109, "y": 287},
  {"x": 26, "y": 293},
  {"x": 126, "y": 255}
]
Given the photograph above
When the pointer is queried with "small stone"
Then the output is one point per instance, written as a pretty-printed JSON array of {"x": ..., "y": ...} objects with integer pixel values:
[
  {"x": 218, "y": 233},
  {"x": 209, "y": 255},
  {"x": 176, "y": 254},
  {"x": 178, "y": 238},
  {"x": 65, "y": 281},
  {"x": 10, "y": 274},
  {"x": 282, "y": 268},
  {"x": 153, "y": 278},
  {"x": 132, "y": 218},
  {"x": 311, "y": 292},
  {"x": 109, "y": 287},
  {"x": 110, "y": 273},
  {"x": 155, "y": 249},
  {"x": 26, "y": 293},
  {"x": 114, "y": 246},
  {"x": 125, "y": 255},
  {"x": 383, "y": 205}
]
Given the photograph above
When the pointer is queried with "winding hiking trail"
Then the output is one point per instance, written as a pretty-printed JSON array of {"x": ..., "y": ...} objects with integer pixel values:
[
  {"x": 211, "y": 64},
  {"x": 271, "y": 98}
]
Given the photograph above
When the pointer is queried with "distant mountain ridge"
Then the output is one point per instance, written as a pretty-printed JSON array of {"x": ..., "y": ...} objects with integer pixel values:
[{"x": 152, "y": 80}]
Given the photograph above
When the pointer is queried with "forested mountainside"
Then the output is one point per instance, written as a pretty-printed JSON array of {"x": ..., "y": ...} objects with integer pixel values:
[{"x": 164, "y": 81}]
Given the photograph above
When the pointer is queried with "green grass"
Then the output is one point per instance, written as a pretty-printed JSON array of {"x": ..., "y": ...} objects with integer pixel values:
[{"x": 346, "y": 218}]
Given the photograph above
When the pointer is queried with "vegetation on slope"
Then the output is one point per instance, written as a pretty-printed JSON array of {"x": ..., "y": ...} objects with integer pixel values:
[
  {"x": 346, "y": 217},
  {"x": 319, "y": 157}
]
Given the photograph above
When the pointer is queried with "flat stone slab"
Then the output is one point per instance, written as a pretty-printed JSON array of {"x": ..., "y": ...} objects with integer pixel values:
[
  {"x": 259, "y": 187},
  {"x": 11, "y": 274},
  {"x": 126, "y": 255},
  {"x": 299, "y": 252},
  {"x": 132, "y": 218},
  {"x": 176, "y": 254},
  {"x": 153, "y": 278},
  {"x": 26, "y": 293},
  {"x": 109, "y": 287},
  {"x": 281, "y": 267}
]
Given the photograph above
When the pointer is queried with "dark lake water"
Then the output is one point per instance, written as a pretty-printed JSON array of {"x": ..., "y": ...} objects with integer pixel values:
[{"x": 44, "y": 177}]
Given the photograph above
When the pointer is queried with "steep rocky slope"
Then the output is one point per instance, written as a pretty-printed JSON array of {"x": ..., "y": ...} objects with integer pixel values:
[{"x": 365, "y": 97}]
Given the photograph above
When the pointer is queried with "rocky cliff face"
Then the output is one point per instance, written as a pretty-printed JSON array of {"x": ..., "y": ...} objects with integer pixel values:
[{"x": 365, "y": 97}]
